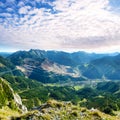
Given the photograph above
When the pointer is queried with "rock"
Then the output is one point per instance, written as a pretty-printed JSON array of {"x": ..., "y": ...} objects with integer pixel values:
[{"x": 18, "y": 100}]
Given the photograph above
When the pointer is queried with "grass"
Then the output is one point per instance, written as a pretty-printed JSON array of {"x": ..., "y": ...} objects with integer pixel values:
[
  {"x": 57, "y": 110},
  {"x": 6, "y": 113},
  {"x": 78, "y": 87},
  {"x": 52, "y": 85},
  {"x": 1, "y": 65}
]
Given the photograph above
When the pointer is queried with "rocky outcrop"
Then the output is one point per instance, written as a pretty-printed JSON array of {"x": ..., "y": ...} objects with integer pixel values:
[
  {"x": 18, "y": 100},
  {"x": 9, "y": 98},
  {"x": 54, "y": 110}
]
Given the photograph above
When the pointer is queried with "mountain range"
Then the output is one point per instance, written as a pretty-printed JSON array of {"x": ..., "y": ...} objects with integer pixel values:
[
  {"x": 75, "y": 77},
  {"x": 59, "y": 66}
]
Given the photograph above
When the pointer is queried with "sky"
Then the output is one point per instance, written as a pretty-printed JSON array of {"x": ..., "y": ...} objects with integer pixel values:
[{"x": 68, "y": 25}]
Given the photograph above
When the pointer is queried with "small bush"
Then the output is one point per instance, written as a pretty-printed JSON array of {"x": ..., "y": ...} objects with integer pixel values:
[
  {"x": 108, "y": 110},
  {"x": 13, "y": 105}
]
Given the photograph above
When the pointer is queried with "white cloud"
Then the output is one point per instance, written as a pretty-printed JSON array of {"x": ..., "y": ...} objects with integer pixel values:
[
  {"x": 82, "y": 24},
  {"x": 24, "y": 10},
  {"x": 9, "y": 9},
  {"x": 21, "y": 4},
  {"x": 5, "y": 14}
]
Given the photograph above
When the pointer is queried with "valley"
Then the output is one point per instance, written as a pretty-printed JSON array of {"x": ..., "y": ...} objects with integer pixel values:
[{"x": 51, "y": 79}]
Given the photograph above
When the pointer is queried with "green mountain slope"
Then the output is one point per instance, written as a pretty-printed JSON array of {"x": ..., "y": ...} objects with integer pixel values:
[
  {"x": 34, "y": 93},
  {"x": 10, "y": 102},
  {"x": 60, "y": 57},
  {"x": 36, "y": 64},
  {"x": 8, "y": 67},
  {"x": 54, "y": 110},
  {"x": 54, "y": 66},
  {"x": 107, "y": 67}
]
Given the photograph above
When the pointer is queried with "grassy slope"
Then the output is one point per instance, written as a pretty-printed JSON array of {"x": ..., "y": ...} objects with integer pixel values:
[
  {"x": 65, "y": 111},
  {"x": 6, "y": 113},
  {"x": 30, "y": 89}
]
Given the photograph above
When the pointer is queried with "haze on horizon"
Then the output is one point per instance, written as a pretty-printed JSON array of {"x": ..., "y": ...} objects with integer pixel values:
[{"x": 67, "y": 25}]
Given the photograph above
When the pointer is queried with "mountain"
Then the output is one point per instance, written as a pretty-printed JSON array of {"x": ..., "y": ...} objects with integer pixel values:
[
  {"x": 57, "y": 66},
  {"x": 70, "y": 73},
  {"x": 34, "y": 93},
  {"x": 52, "y": 66},
  {"x": 5, "y": 54},
  {"x": 60, "y": 57},
  {"x": 8, "y": 67},
  {"x": 104, "y": 68},
  {"x": 11, "y": 105},
  {"x": 12, "y": 108}
]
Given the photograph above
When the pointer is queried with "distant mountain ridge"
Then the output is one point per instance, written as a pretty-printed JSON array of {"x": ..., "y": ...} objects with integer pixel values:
[
  {"x": 108, "y": 67},
  {"x": 5, "y": 54},
  {"x": 60, "y": 57},
  {"x": 51, "y": 66},
  {"x": 7, "y": 67}
]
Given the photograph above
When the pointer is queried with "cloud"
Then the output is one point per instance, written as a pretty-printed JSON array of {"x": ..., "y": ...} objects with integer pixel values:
[
  {"x": 21, "y": 4},
  {"x": 5, "y": 15},
  {"x": 82, "y": 25},
  {"x": 24, "y": 10},
  {"x": 9, "y": 9}
]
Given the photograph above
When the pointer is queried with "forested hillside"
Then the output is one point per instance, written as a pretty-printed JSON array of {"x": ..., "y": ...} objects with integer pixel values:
[
  {"x": 57, "y": 66},
  {"x": 42, "y": 81}
]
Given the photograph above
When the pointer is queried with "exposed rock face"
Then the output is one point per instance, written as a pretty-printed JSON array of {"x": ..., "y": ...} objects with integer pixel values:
[
  {"x": 59, "y": 69},
  {"x": 18, "y": 100}
]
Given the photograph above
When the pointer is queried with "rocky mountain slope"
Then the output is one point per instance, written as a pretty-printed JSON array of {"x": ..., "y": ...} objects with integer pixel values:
[
  {"x": 33, "y": 93},
  {"x": 7, "y": 67},
  {"x": 36, "y": 64},
  {"x": 11, "y": 108},
  {"x": 54, "y": 66},
  {"x": 60, "y": 57},
  {"x": 54, "y": 110},
  {"x": 104, "y": 68},
  {"x": 9, "y": 100}
]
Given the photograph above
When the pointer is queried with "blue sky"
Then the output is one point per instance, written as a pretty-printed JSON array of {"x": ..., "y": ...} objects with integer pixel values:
[
  {"x": 70, "y": 25},
  {"x": 115, "y": 3}
]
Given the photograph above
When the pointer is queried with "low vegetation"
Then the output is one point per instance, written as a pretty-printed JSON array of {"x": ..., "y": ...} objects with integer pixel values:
[
  {"x": 54, "y": 110},
  {"x": 34, "y": 93}
]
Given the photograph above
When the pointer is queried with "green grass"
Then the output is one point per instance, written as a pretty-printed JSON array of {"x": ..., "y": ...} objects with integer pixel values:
[
  {"x": 65, "y": 111},
  {"x": 78, "y": 87},
  {"x": 6, "y": 113}
]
